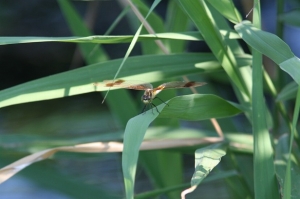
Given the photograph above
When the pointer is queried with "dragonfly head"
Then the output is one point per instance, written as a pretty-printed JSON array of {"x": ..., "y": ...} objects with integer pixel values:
[{"x": 147, "y": 97}]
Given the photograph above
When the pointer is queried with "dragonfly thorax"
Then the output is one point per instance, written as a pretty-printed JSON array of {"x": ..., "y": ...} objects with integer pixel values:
[{"x": 147, "y": 97}]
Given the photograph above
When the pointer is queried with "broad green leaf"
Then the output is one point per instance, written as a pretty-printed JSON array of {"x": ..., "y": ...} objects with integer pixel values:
[
  {"x": 166, "y": 132},
  {"x": 198, "y": 107},
  {"x": 205, "y": 160},
  {"x": 271, "y": 46},
  {"x": 288, "y": 92},
  {"x": 149, "y": 68},
  {"x": 292, "y": 67},
  {"x": 264, "y": 42},
  {"x": 227, "y": 9}
]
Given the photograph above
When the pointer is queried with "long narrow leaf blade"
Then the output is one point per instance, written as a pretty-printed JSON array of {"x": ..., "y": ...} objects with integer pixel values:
[
  {"x": 227, "y": 9},
  {"x": 115, "y": 39},
  {"x": 133, "y": 137},
  {"x": 204, "y": 21},
  {"x": 84, "y": 80},
  {"x": 271, "y": 46}
]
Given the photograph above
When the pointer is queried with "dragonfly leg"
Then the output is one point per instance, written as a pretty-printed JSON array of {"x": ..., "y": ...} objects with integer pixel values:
[
  {"x": 161, "y": 100},
  {"x": 145, "y": 107},
  {"x": 155, "y": 107}
]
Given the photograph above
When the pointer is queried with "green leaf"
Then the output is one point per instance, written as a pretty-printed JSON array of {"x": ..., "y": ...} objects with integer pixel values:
[
  {"x": 271, "y": 46},
  {"x": 265, "y": 184},
  {"x": 192, "y": 108},
  {"x": 151, "y": 68},
  {"x": 227, "y": 9},
  {"x": 166, "y": 132},
  {"x": 198, "y": 107},
  {"x": 133, "y": 137},
  {"x": 264, "y": 42},
  {"x": 292, "y": 67},
  {"x": 110, "y": 39},
  {"x": 288, "y": 92},
  {"x": 205, "y": 22},
  {"x": 205, "y": 160}
]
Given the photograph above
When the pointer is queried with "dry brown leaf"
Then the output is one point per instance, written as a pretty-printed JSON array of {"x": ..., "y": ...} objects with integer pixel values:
[{"x": 97, "y": 147}]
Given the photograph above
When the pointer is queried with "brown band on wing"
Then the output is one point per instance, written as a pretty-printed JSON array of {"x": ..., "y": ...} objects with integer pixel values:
[
  {"x": 161, "y": 87},
  {"x": 158, "y": 89},
  {"x": 118, "y": 82},
  {"x": 137, "y": 87},
  {"x": 189, "y": 84}
]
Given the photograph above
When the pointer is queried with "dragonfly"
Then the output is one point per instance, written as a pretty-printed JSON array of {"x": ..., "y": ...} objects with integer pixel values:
[{"x": 150, "y": 93}]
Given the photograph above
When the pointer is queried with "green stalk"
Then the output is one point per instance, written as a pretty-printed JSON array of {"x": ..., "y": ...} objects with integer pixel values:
[{"x": 265, "y": 184}]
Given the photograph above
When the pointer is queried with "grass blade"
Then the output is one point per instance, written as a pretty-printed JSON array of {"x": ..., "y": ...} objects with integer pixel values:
[
  {"x": 204, "y": 21},
  {"x": 271, "y": 46},
  {"x": 265, "y": 184},
  {"x": 227, "y": 9},
  {"x": 82, "y": 80}
]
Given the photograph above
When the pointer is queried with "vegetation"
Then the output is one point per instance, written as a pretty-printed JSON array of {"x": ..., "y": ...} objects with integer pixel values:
[{"x": 246, "y": 145}]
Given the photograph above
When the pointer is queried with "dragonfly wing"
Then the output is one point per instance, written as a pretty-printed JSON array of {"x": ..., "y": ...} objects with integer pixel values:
[
  {"x": 129, "y": 84},
  {"x": 177, "y": 84}
]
